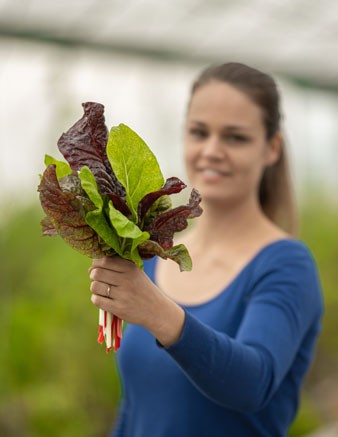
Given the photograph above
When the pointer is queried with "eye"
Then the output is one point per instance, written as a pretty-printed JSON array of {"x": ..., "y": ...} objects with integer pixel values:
[
  {"x": 197, "y": 133},
  {"x": 235, "y": 138}
]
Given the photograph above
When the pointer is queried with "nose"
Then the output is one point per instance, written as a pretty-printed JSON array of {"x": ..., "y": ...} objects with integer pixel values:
[{"x": 213, "y": 149}]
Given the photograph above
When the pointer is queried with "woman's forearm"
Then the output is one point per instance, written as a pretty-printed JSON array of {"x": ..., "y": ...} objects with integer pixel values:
[{"x": 167, "y": 322}]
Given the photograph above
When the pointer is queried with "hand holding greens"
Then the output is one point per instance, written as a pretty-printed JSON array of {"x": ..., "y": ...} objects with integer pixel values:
[{"x": 110, "y": 198}]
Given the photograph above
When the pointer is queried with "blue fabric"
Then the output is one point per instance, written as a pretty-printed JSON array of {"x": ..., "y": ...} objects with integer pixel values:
[{"x": 238, "y": 366}]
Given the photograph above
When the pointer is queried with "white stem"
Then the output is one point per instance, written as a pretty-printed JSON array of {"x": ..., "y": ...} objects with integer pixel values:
[
  {"x": 101, "y": 317},
  {"x": 108, "y": 331}
]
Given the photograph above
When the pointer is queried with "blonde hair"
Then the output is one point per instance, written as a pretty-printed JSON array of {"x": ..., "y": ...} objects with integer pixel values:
[{"x": 276, "y": 194}]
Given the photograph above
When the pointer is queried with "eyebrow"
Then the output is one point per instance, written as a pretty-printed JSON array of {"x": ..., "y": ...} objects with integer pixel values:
[{"x": 227, "y": 127}]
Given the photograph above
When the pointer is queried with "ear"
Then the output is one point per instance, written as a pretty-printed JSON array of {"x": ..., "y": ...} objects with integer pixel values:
[{"x": 274, "y": 149}]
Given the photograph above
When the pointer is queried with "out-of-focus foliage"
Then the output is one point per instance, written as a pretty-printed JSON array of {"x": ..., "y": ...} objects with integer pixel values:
[
  {"x": 319, "y": 230},
  {"x": 56, "y": 380}
]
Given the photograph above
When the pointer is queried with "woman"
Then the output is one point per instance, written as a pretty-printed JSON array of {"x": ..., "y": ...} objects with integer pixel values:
[{"x": 223, "y": 349}]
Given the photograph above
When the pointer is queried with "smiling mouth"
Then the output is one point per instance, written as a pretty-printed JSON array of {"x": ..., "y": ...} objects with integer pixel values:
[{"x": 213, "y": 173}]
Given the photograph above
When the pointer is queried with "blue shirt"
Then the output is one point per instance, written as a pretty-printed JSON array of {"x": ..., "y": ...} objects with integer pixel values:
[{"x": 238, "y": 366}]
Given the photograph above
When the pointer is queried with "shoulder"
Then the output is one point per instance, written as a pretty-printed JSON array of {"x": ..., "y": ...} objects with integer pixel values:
[
  {"x": 286, "y": 252},
  {"x": 287, "y": 270}
]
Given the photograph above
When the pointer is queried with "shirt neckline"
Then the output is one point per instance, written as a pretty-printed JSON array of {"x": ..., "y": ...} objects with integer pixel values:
[{"x": 233, "y": 281}]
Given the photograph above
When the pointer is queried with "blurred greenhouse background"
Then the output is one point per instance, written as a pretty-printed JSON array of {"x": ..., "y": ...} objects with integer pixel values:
[{"x": 138, "y": 58}]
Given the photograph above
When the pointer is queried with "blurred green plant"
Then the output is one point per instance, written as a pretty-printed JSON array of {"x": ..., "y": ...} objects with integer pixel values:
[
  {"x": 318, "y": 229},
  {"x": 54, "y": 377},
  {"x": 56, "y": 380}
]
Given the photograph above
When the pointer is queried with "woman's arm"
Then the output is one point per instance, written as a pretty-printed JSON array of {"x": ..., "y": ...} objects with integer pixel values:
[{"x": 243, "y": 372}]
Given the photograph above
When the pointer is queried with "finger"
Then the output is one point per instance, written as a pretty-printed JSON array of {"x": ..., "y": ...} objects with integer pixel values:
[
  {"x": 114, "y": 263},
  {"x": 106, "y": 305},
  {"x": 93, "y": 267},
  {"x": 108, "y": 263},
  {"x": 102, "y": 302},
  {"x": 102, "y": 289},
  {"x": 105, "y": 275}
]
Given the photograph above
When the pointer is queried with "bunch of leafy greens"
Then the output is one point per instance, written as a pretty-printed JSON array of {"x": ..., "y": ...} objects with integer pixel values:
[{"x": 110, "y": 196}]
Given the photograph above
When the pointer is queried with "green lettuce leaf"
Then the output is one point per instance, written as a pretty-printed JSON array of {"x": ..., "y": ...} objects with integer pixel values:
[
  {"x": 130, "y": 233},
  {"x": 62, "y": 168},
  {"x": 96, "y": 218},
  {"x": 112, "y": 226},
  {"x": 134, "y": 165}
]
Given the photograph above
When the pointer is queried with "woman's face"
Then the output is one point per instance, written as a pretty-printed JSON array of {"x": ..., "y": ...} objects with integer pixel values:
[{"x": 226, "y": 149}]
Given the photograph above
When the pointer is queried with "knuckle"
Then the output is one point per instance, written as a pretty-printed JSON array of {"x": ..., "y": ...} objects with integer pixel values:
[
  {"x": 95, "y": 299},
  {"x": 93, "y": 274},
  {"x": 100, "y": 262},
  {"x": 132, "y": 266},
  {"x": 94, "y": 287},
  {"x": 105, "y": 262}
]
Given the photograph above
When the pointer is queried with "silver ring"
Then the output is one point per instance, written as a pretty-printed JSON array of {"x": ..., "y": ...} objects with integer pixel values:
[{"x": 108, "y": 291}]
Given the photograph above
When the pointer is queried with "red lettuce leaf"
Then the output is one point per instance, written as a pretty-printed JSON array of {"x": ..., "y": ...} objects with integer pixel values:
[
  {"x": 66, "y": 211},
  {"x": 172, "y": 185},
  {"x": 178, "y": 253},
  {"x": 84, "y": 144},
  {"x": 48, "y": 227},
  {"x": 164, "y": 226},
  {"x": 120, "y": 204}
]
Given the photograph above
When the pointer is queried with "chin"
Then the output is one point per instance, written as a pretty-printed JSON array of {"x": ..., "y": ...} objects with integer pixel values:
[{"x": 215, "y": 196}]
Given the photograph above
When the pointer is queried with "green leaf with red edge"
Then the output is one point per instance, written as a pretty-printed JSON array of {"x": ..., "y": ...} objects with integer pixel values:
[
  {"x": 134, "y": 164},
  {"x": 84, "y": 144},
  {"x": 66, "y": 213},
  {"x": 165, "y": 225},
  {"x": 178, "y": 253}
]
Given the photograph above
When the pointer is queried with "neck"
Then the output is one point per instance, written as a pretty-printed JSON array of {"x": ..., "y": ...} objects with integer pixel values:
[{"x": 218, "y": 225}]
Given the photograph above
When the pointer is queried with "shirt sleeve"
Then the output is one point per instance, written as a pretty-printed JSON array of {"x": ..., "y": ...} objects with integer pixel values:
[
  {"x": 120, "y": 424},
  {"x": 244, "y": 372}
]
